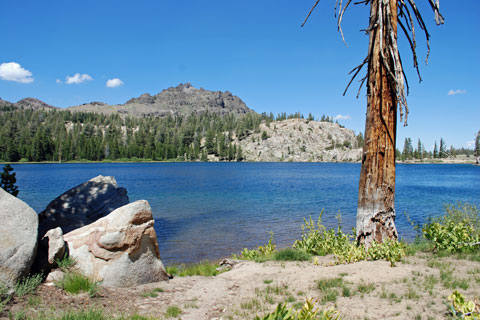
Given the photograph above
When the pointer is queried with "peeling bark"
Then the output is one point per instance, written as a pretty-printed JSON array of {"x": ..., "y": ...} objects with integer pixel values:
[{"x": 376, "y": 196}]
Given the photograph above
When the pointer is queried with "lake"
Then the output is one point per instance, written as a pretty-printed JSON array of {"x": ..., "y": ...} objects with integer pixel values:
[{"x": 211, "y": 210}]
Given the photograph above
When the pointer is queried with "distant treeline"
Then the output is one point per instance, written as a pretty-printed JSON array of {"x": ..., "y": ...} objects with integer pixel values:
[
  {"x": 60, "y": 135},
  {"x": 440, "y": 151}
]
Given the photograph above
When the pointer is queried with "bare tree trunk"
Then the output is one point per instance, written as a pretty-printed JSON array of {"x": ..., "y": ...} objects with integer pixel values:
[{"x": 376, "y": 195}]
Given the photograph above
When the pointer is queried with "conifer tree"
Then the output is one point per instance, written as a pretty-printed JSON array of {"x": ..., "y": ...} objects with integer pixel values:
[
  {"x": 419, "y": 151},
  {"x": 8, "y": 180},
  {"x": 477, "y": 148},
  {"x": 442, "y": 153}
]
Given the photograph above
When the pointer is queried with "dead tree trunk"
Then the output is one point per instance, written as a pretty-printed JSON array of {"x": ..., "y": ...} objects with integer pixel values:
[{"x": 376, "y": 196}]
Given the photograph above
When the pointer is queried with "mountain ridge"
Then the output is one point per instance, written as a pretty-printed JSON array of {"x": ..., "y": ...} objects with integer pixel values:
[{"x": 184, "y": 99}]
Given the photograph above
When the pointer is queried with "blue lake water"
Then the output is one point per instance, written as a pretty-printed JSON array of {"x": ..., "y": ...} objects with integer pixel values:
[{"x": 211, "y": 210}]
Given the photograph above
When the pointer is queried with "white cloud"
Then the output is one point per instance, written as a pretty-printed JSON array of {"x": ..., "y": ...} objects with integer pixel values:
[
  {"x": 470, "y": 143},
  {"x": 12, "y": 71},
  {"x": 342, "y": 117},
  {"x": 115, "y": 82},
  {"x": 58, "y": 81},
  {"x": 458, "y": 91},
  {"x": 77, "y": 78}
]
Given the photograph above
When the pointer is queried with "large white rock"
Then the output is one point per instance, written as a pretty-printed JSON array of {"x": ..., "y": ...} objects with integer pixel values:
[
  {"x": 83, "y": 205},
  {"x": 121, "y": 249},
  {"x": 18, "y": 238}
]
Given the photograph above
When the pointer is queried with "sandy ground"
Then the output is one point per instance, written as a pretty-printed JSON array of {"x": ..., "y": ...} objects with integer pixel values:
[{"x": 415, "y": 289}]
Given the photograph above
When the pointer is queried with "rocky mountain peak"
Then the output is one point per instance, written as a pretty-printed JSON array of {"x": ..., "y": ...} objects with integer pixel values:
[
  {"x": 145, "y": 98},
  {"x": 33, "y": 103}
]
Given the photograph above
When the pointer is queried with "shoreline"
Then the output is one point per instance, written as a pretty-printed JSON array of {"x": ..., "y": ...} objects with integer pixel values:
[{"x": 446, "y": 161}]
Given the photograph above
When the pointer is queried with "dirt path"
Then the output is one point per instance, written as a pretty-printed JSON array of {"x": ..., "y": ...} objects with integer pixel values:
[{"x": 415, "y": 289}]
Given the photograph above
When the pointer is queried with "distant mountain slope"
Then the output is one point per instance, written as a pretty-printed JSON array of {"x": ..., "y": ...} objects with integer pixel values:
[
  {"x": 29, "y": 104},
  {"x": 34, "y": 104},
  {"x": 183, "y": 99},
  {"x": 300, "y": 140}
]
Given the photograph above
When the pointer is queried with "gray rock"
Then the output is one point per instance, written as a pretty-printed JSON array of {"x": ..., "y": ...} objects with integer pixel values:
[
  {"x": 301, "y": 140},
  {"x": 121, "y": 249},
  {"x": 18, "y": 238},
  {"x": 183, "y": 99},
  {"x": 55, "y": 276},
  {"x": 56, "y": 245},
  {"x": 82, "y": 205},
  {"x": 226, "y": 264}
]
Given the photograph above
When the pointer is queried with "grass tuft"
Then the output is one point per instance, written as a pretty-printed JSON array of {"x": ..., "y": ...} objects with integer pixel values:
[
  {"x": 65, "y": 263},
  {"x": 28, "y": 285},
  {"x": 75, "y": 283},
  {"x": 173, "y": 312},
  {"x": 290, "y": 254},
  {"x": 203, "y": 268}
]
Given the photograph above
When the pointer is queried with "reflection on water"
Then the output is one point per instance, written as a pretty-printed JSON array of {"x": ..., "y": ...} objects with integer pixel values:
[{"x": 211, "y": 210}]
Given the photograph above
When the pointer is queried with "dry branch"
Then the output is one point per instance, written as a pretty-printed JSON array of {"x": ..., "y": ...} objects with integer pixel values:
[{"x": 390, "y": 55}]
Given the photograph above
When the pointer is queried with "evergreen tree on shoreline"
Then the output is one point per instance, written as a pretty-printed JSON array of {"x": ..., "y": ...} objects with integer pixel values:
[
  {"x": 477, "y": 148},
  {"x": 8, "y": 180}
]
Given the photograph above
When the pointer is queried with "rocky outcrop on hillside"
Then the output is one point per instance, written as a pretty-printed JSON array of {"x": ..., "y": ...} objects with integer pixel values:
[
  {"x": 301, "y": 140},
  {"x": 183, "y": 99}
]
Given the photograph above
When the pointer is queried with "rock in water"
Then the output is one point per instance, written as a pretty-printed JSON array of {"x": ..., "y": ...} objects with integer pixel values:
[
  {"x": 82, "y": 205},
  {"x": 18, "y": 238},
  {"x": 121, "y": 249}
]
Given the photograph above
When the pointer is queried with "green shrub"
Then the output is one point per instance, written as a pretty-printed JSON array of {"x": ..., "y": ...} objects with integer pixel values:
[
  {"x": 463, "y": 309},
  {"x": 309, "y": 311},
  {"x": 259, "y": 253},
  {"x": 290, "y": 254},
  {"x": 75, "y": 283},
  {"x": 457, "y": 230},
  {"x": 28, "y": 285},
  {"x": 318, "y": 240},
  {"x": 390, "y": 250}
]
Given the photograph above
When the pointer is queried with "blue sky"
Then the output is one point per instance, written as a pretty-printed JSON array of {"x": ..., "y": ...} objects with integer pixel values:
[{"x": 64, "y": 52}]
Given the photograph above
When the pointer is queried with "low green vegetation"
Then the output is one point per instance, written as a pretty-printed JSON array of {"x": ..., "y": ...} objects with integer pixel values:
[
  {"x": 152, "y": 293},
  {"x": 28, "y": 285},
  {"x": 173, "y": 312},
  {"x": 4, "y": 296},
  {"x": 87, "y": 314},
  {"x": 309, "y": 311},
  {"x": 24, "y": 287},
  {"x": 318, "y": 240},
  {"x": 458, "y": 230},
  {"x": 203, "y": 268},
  {"x": 290, "y": 254},
  {"x": 262, "y": 253},
  {"x": 75, "y": 283},
  {"x": 65, "y": 263},
  {"x": 461, "y": 308}
]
